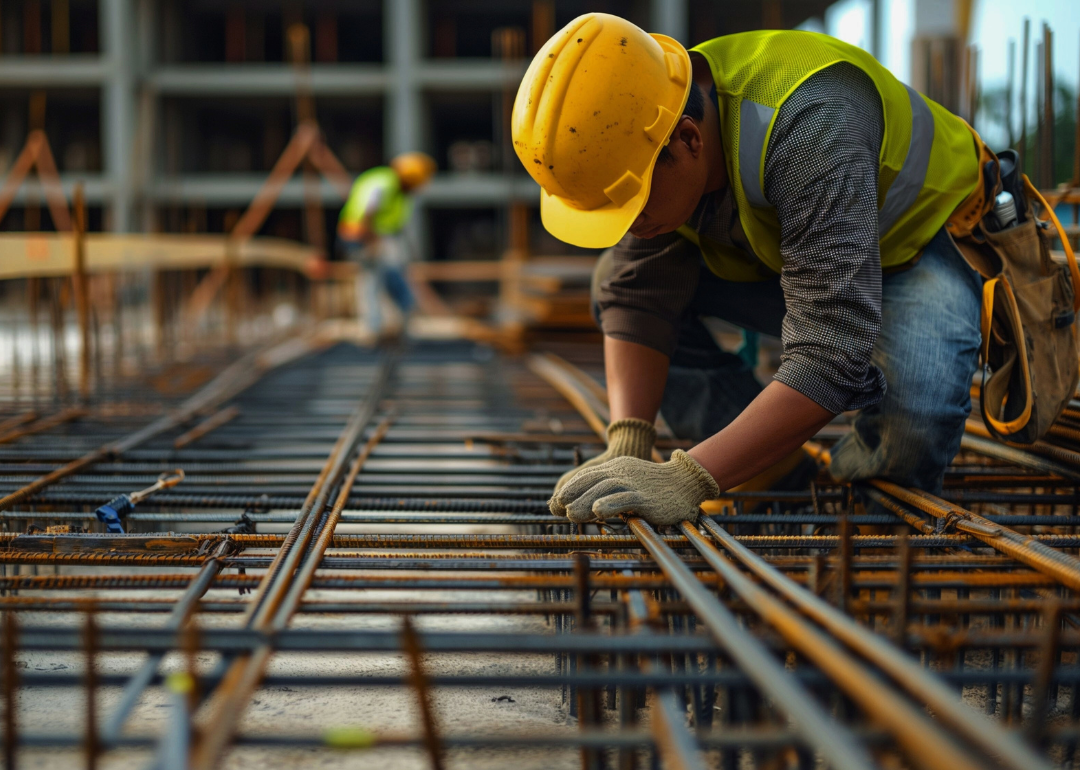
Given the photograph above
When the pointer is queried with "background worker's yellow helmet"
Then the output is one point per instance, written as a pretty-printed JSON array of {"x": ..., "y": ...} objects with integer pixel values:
[
  {"x": 596, "y": 106},
  {"x": 414, "y": 169}
]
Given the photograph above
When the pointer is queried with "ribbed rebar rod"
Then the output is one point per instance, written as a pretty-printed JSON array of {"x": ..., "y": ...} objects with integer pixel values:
[
  {"x": 1024, "y": 548},
  {"x": 992, "y": 448},
  {"x": 14, "y": 548},
  {"x": 181, "y": 613},
  {"x": 676, "y": 743},
  {"x": 44, "y": 424},
  {"x": 275, "y": 601},
  {"x": 235, "y": 379},
  {"x": 277, "y": 578},
  {"x": 836, "y": 744},
  {"x": 304, "y": 575},
  {"x": 1007, "y": 750},
  {"x": 232, "y": 641}
]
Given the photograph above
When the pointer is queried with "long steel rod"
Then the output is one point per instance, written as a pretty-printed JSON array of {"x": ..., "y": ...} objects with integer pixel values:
[
  {"x": 992, "y": 448},
  {"x": 654, "y": 678},
  {"x": 839, "y": 747},
  {"x": 1060, "y": 566},
  {"x": 27, "y": 545},
  {"x": 676, "y": 743},
  {"x": 238, "y": 640},
  {"x": 943, "y": 702},
  {"x": 244, "y": 673},
  {"x": 921, "y": 738},
  {"x": 181, "y": 613},
  {"x": 234, "y": 380},
  {"x": 306, "y": 573}
]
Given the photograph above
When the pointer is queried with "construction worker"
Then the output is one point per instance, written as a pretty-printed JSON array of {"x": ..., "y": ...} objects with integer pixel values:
[
  {"x": 783, "y": 181},
  {"x": 370, "y": 231}
]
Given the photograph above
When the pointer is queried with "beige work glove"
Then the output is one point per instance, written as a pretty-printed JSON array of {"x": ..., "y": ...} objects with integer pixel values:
[
  {"x": 625, "y": 438},
  {"x": 660, "y": 493}
]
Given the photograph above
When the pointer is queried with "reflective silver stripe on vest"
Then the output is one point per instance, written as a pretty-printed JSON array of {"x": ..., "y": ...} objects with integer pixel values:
[
  {"x": 754, "y": 122},
  {"x": 909, "y": 182}
]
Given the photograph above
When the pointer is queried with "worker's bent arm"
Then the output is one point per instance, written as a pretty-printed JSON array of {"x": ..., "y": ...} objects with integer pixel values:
[
  {"x": 774, "y": 425},
  {"x": 636, "y": 375}
]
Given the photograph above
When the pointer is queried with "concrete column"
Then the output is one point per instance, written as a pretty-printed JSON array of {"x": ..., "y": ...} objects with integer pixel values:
[
  {"x": 146, "y": 124},
  {"x": 671, "y": 18},
  {"x": 403, "y": 34},
  {"x": 146, "y": 22},
  {"x": 118, "y": 107}
]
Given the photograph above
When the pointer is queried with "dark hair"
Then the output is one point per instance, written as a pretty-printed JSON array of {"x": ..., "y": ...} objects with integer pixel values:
[{"x": 695, "y": 109}]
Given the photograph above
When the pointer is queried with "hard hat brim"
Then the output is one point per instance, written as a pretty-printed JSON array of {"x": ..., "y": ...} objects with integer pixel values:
[{"x": 595, "y": 229}]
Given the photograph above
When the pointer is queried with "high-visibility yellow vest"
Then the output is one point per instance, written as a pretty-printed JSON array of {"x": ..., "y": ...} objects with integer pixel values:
[
  {"x": 928, "y": 165},
  {"x": 394, "y": 206}
]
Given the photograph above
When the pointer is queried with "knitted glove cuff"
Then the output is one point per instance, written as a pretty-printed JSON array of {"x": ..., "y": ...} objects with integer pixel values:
[
  {"x": 703, "y": 483},
  {"x": 631, "y": 438}
]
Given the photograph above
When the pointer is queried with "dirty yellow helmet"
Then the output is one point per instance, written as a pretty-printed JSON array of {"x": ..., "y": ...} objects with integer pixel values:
[
  {"x": 414, "y": 169},
  {"x": 596, "y": 106}
]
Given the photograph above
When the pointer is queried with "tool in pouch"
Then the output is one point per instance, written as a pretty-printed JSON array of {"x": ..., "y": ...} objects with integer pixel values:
[
  {"x": 1030, "y": 345},
  {"x": 111, "y": 513}
]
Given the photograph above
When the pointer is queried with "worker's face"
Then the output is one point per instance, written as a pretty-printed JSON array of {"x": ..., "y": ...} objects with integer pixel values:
[{"x": 677, "y": 184}]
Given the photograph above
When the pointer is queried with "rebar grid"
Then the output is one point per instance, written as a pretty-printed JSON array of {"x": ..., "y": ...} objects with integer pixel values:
[{"x": 849, "y": 628}]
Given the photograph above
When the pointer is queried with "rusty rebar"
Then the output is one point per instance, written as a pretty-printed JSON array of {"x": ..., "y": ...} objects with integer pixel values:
[
  {"x": 410, "y": 642},
  {"x": 92, "y": 745},
  {"x": 11, "y": 688}
]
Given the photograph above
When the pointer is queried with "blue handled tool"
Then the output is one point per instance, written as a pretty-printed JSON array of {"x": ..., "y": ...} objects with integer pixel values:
[{"x": 111, "y": 513}]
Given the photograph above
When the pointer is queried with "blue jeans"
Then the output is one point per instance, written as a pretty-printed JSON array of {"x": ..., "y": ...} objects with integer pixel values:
[
  {"x": 376, "y": 275},
  {"x": 927, "y": 349}
]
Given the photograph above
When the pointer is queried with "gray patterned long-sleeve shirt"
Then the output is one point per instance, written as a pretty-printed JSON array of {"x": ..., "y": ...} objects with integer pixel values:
[{"x": 821, "y": 169}]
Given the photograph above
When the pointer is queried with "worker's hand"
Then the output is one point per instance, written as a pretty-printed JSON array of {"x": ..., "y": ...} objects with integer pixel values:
[
  {"x": 660, "y": 493},
  {"x": 626, "y": 438}
]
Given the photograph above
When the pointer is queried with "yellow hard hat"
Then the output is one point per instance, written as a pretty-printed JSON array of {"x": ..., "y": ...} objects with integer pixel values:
[
  {"x": 414, "y": 169},
  {"x": 596, "y": 106}
]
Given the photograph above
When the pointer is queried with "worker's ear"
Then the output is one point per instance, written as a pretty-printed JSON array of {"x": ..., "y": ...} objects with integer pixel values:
[{"x": 686, "y": 139}]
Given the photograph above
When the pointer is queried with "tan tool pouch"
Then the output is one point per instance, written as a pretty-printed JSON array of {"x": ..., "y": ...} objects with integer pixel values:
[{"x": 1030, "y": 354}]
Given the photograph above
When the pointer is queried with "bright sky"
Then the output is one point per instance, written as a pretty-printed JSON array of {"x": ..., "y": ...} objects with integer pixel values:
[{"x": 994, "y": 22}]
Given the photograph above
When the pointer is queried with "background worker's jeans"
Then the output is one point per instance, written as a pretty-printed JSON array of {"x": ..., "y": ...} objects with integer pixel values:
[
  {"x": 927, "y": 348},
  {"x": 392, "y": 279},
  {"x": 380, "y": 268}
]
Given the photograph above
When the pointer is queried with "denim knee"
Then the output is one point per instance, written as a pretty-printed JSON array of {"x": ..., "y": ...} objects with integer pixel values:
[
  {"x": 922, "y": 446},
  {"x": 911, "y": 445},
  {"x": 927, "y": 349}
]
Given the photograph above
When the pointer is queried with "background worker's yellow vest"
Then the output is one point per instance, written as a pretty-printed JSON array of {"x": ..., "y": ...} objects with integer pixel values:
[
  {"x": 394, "y": 205},
  {"x": 928, "y": 163}
]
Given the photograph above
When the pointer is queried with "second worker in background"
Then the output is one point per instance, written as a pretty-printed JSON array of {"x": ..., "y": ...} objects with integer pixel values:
[{"x": 371, "y": 233}]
